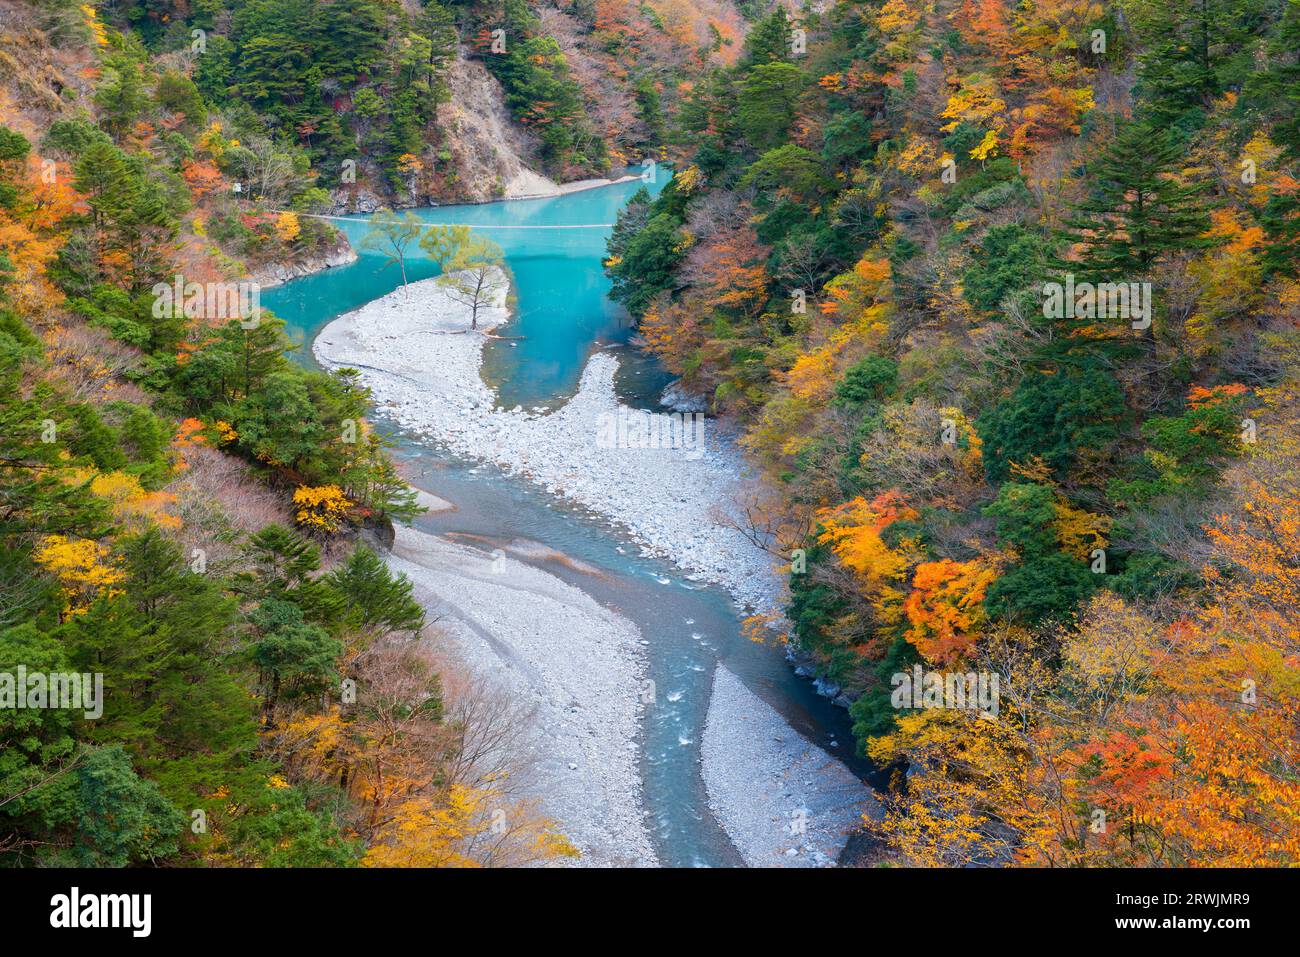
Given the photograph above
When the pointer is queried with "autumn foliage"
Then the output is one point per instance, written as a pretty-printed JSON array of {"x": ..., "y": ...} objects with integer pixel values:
[{"x": 1098, "y": 510}]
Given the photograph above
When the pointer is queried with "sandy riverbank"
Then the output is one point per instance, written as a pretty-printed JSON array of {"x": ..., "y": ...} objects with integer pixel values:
[
  {"x": 579, "y": 662},
  {"x": 574, "y": 668},
  {"x": 530, "y": 185},
  {"x": 416, "y": 352},
  {"x": 783, "y": 801}
]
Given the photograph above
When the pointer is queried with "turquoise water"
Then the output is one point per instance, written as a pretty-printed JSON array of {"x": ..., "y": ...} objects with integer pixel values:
[
  {"x": 564, "y": 313},
  {"x": 562, "y": 310},
  {"x": 690, "y": 629}
]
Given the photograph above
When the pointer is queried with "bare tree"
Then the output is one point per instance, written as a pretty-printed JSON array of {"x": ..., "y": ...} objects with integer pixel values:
[
  {"x": 391, "y": 236},
  {"x": 472, "y": 270},
  {"x": 766, "y": 520},
  {"x": 489, "y": 739},
  {"x": 268, "y": 170}
]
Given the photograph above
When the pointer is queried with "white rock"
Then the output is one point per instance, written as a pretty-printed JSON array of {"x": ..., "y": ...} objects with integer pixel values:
[{"x": 664, "y": 499}]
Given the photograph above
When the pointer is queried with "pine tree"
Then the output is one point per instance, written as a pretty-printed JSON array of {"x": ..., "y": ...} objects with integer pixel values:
[
  {"x": 1283, "y": 80},
  {"x": 295, "y": 657},
  {"x": 13, "y": 152},
  {"x": 129, "y": 213},
  {"x": 769, "y": 41},
  {"x": 437, "y": 24},
  {"x": 102, "y": 173},
  {"x": 283, "y": 563},
  {"x": 370, "y": 599},
  {"x": 122, "y": 819},
  {"x": 1193, "y": 51},
  {"x": 765, "y": 108},
  {"x": 1137, "y": 210},
  {"x": 121, "y": 96}
]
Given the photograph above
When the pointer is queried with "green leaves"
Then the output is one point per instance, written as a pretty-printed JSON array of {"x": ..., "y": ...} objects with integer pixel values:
[
  {"x": 121, "y": 95},
  {"x": 131, "y": 211},
  {"x": 1045, "y": 583},
  {"x": 283, "y": 563},
  {"x": 1058, "y": 415},
  {"x": 790, "y": 167},
  {"x": 443, "y": 243},
  {"x": 544, "y": 97},
  {"x": 122, "y": 820},
  {"x": 1046, "y": 587},
  {"x": 1025, "y": 513},
  {"x": 1193, "y": 52},
  {"x": 647, "y": 263},
  {"x": 369, "y": 599},
  {"x": 769, "y": 40},
  {"x": 278, "y": 423},
  {"x": 1138, "y": 210},
  {"x": 1184, "y": 453},
  {"x": 296, "y": 658},
  {"x": 868, "y": 380},
  {"x": 765, "y": 108},
  {"x": 1008, "y": 259},
  {"x": 13, "y": 148},
  {"x": 391, "y": 236},
  {"x": 34, "y": 742}
]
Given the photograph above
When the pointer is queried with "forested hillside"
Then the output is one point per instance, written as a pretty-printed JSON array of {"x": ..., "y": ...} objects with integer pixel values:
[
  {"x": 356, "y": 88},
  {"x": 973, "y": 470},
  {"x": 1003, "y": 295},
  {"x": 184, "y": 509}
]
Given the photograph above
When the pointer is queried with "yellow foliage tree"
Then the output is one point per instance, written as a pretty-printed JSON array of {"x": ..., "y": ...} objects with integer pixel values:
[
  {"x": 320, "y": 508},
  {"x": 853, "y": 530},
  {"x": 130, "y": 502},
  {"x": 287, "y": 227},
  {"x": 978, "y": 101},
  {"x": 85, "y": 570},
  {"x": 986, "y": 147},
  {"x": 467, "y": 827}
]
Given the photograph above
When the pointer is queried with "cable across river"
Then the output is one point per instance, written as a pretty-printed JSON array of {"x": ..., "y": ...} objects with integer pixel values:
[{"x": 350, "y": 219}]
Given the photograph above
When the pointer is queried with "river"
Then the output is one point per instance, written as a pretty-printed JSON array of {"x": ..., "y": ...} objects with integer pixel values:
[{"x": 564, "y": 313}]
